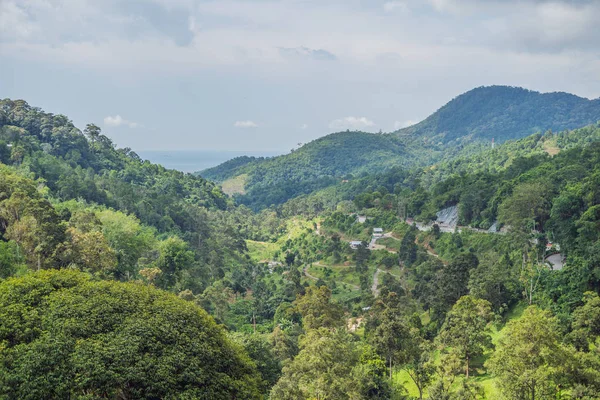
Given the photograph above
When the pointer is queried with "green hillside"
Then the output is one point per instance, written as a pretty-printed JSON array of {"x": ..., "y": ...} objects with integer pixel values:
[
  {"x": 504, "y": 113},
  {"x": 464, "y": 126}
]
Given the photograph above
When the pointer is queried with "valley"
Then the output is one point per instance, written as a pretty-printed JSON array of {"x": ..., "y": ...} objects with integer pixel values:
[{"x": 434, "y": 259}]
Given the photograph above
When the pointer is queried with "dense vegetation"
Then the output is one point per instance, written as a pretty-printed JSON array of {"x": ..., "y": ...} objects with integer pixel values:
[
  {"x": 107, "y": 264},
  {"x": 504, "y": 113},
  {"x": 66, "y": 336},
  {"x": 461, "y": 128}
]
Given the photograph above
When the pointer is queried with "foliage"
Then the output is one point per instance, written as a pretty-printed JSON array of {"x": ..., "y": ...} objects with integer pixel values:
[
  {"x": 66, "y": 336},
  {"x": 331, "y": 365},
  {"x": 466, "y": 329},
  {"x": 529, "y": 359}
]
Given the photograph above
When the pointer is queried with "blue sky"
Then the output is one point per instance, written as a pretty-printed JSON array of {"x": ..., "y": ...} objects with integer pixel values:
[{"x": 259, "y": 75}]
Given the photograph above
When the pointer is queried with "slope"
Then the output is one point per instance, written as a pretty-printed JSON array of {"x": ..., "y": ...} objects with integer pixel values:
[
  {"x": 504, "y": 113},
  {"x": 462, "y": 127}
]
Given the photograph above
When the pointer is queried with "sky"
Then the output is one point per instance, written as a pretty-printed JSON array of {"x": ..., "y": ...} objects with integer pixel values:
[{"x": 266, "y": 75}]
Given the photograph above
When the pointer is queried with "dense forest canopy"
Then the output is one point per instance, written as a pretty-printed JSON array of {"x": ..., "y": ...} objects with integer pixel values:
[{"x": 110, "y": 267}]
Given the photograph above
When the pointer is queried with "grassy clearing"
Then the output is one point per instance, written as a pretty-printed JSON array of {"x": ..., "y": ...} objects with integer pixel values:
[
  {"x": 551, "y": 148},
  {"x": 390, "y": 243},
  {"x": 261, "y": 251},
  {"x": 236, "y": 185},
  {"x": 339, "y": 273}
]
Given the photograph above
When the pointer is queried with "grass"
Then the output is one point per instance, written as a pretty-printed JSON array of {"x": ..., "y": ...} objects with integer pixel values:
[
  {"x": 261, "y": 251},
  {"x": 390, "y": 243},
  {"x": 551, "y": 148},
  {"x": 236, "y": 185}
]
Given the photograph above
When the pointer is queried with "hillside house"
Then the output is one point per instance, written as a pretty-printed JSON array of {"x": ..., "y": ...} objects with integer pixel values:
[
  {"x": 377, "y": 232},
  {"x": 354, "y": 244}
]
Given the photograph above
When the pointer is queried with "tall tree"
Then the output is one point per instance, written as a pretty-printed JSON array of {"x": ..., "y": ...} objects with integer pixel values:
[
  {"x": 331, "y": 365},
  {"x": 529, "y": 357},
  {"x": 466, "y": 331},
  {"x": 317, "y": 309}
]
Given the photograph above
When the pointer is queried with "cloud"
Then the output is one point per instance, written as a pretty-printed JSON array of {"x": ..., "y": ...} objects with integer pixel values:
[
  {"x": 392, "y": 6},
  {"x": 117, "y": 121},
  {"x": 352, "y": 123},
  {"x": 405, "y": 124},
  {"x": 245, "y": 124},
  {"x": 304, "y": 126},
  {"x": 305, "y": 52}
]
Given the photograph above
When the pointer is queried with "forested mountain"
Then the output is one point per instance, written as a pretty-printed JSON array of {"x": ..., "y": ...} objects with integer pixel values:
[
  {"x": 464, "y": 126},
  {"x": 503, "y": 113}
]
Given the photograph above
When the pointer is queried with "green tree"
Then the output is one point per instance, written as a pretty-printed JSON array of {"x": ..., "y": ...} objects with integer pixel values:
[
  {"x": 586, "y": 322},
  {"x": 65, "y": 336},
  {"x": 392, "y": 337},
  {"x": 529, "y": 358},
  {"x": 331, "y": 365},
  {"x": 174, "y": 256},
  {"x": 260, "y": 351},
  {"x": 466, "y": 330},
  {"x": 528, "y": 207},
  {"x": 317, "y": 309}
]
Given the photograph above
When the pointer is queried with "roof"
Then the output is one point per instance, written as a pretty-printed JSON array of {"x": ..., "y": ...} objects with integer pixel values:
[
  {"x": 356, "y": 242},
  {"x": 377, "y": 230}
]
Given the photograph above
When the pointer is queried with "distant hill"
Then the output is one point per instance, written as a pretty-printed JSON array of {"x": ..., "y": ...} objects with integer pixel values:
[
  {"x": 316, "y": 165},
  {"x": 503, "y": 113},
  {"x": 460, "y": 127}
]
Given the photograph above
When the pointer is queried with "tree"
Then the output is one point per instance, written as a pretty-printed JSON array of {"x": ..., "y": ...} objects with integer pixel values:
[
  {"x": 496, "y": 280},
  {"x": 65, "y": 336},
  {"x": 408, "y": 248},
  {"x": 331, "y": 365},
  {"x": 529, "y": 357},
  {"x": 466, "y": 331},
  {"x": 451, "y": 283},
  {"x": 92, "y": 132},
  {"x": 261, "y": 352},
  {"x": 317, "y": 309},
  {"x": 174, "y": 256},
  {"x": 10, "y": 260},
  {"x": 392, "y": 336},
  {"x": 90, "y": 252},
  {"x": 528, "y": 207},
  {"x": 586, "y": 322}
]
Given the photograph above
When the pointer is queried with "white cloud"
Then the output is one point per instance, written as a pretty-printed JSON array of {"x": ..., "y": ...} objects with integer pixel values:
[
  {"x": 304, "y": 126},
  {"x": 245, "y": 124},
  {"x": 117, "y": 120},
  {"x": 405, "y": 124},
  {"x": 392, "y": 6},
  {"x": 353, "y": 123}
]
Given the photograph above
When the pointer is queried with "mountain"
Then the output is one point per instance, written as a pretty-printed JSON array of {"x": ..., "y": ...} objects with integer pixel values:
[
  {"x": 463, "y": 126},
  {"x": 318, "y": 164},
  {"x": 503, "y": 113}
]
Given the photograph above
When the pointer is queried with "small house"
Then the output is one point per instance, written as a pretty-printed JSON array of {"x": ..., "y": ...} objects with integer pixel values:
[
  {"x": 361, "y": 219},
  {"x": 377, "y": 232},
  {"x": 355, "y": 243}
]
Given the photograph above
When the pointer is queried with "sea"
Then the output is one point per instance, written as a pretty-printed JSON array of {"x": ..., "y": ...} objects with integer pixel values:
[{"x": 196, "y": 160}]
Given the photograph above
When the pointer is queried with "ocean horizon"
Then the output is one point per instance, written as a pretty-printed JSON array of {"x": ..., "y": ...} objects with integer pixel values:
[{"x": 197, "y": 160}]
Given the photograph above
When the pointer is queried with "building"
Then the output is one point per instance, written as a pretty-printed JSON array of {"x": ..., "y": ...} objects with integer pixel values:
[
  {"x": 355, "y": 243},
  {"x": 377, "y": 232}
]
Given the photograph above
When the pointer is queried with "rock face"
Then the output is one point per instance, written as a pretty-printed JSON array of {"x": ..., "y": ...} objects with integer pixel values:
[{"x": 448, "y": 217}]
